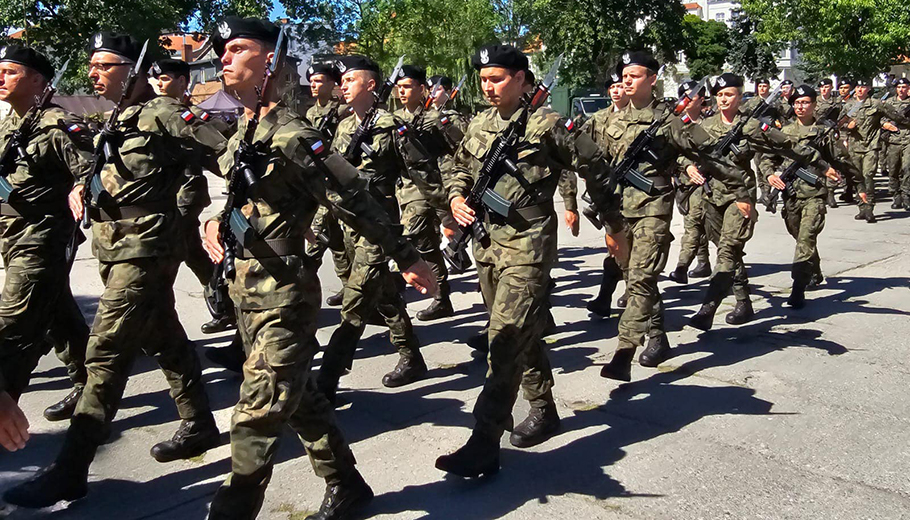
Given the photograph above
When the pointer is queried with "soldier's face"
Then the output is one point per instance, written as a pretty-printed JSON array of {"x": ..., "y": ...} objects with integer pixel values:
[
  {"x": 501, "y": 86},
  {"x": 19, "y": 84},
  {"x": 844, "y": 90},
  {"x": 825, "y": 90},
  {"x": 321, "y": 86},
  {"x": 728, "y": 98},
  {"x": 441, "y": 97},
  {"x": 762, "y": 89},
  {"x": 903, "y": 91},
  {"x": 170, "y": 86},
  {"x": 410, "y": 91},
  {"x": 108, "y": 72},
  {"x": 638, "y": 80},
  {"x": 862, "y": 91},
  {"x": 804, "y": 107},
  {"x": 356, "y": 85},
  {"x": 244, "y": 63},
  {"x": 617, "y": 93},
  {"x": 785, "y": 91}
]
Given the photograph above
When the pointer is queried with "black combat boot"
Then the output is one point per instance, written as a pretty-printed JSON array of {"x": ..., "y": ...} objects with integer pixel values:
[
  {"x": 797, "y": 299},
  {"x": 741, "y": 313},
  {"x": 480, "y": 456},
  {"x": 898, "y": 202},
  {"x": 623, "y": 300},
  {"x": 64, "y": 409},
  {"x": 336, "y": 299},
  {"x": 620, "y": 367},
  {"x": 602, "y": 304},
  {"x": 192, "y": 438},
  {"x": 679, "y": 275},
  {"x": 408, "y": 370},
  {"x": 65, "y": 479},
  {"x": 480, "y": 342},
  {"x": 832, "y": 200},
  {"x": 440, "y": 308},
  {"x": 344, "y": 500},
  {"x": 219, "y": 324},
  {"x": 701, "y": 270},
  {"x": 906, "y": 201},
  {"x": 704, "y": 318},
  {"x": 870, "y": 216},
  {"x": 765, "y": 200},
  {"x": 657, "y": 351},
  {"x": 539, "y": 426}
]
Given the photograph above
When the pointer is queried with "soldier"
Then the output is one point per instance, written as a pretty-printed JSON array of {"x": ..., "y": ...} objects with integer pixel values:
[
  {"x": 804, "y": 204},
  {"x": 864, "y": 136},
  {"x": 596, "y": 128},
  {"x": 827, "y": 99},
  {"x": 694, "y": 241},
  {"x": 514, "y": 266},
  {"x": 37, "y": 239},
  {"x": 276, "y": 289},
  {"x": 371, "y": 286},
  {"x": 785, "y": 113},
  {"x": 420, "y": 218},
  {"x": 844, "y": 87},
  {"x": 325, "y": 114},
  {"x": 762, "y": 90},
  {"x": 173, "y": 78},
  {"x": 730, "y": 212},
  {"x": 897, "y": 157},
  {"x": 134, "y": 219}
]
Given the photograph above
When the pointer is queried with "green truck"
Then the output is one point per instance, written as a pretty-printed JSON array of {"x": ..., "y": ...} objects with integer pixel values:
[{"x": 578, "y": 102}]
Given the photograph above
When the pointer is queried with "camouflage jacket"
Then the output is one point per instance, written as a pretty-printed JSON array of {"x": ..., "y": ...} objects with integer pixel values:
[
  {"x": 432, "y": 136},
  {"x": 291, "y": 188},
  {"x": 316, "y": 116},
  {"x": 547, "y": 148},
  {"x": 193, "y": 194},
  {"x": 866, "y": 135},
  {"x": 731, "y": 175},
  {"x": 902, "y": 136},
  {"x": 397, "y": 157},
  {"x": 60, "y": 151},
  {"x": 455, "y": 124},
  {"x": 822, "y": 105},
  {"x": 157, "y": 139}
]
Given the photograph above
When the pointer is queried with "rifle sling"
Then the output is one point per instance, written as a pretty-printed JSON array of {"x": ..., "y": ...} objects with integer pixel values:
[
  {"x": 110, "y": 212},
  {"x": 271, "y": 248}
]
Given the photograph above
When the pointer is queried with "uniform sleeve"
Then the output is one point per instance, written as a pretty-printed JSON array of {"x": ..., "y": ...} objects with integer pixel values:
[
  {"x": 892, "y": 114},
  {"x": 461, "y": 176},
  {"x": 75, "y": 147},
  {"x": 198, "y": 142},
  {"x": 773, "y": 141},
  {"x": 592, "y": 164},
  {"x": 568, "y": 189}
]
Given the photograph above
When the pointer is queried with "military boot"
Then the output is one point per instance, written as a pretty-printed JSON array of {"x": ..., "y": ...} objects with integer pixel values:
[
  {"x": 623, "y": 300},
  {"x": 704, "y": 318},
  {"x": 219, "y": 324},
  {"x": 870, "y": 216},
  {"x": 539, "y": 426},
  {"x": 440, "y": 308},
  {"x": 657, "y": 351},
  {"x": 408, "y": 370},
  {"x": 832, "y": 200},
  {"x": 65, "y": 479},
  {"x": 602, "y": 304},
  {"x": 336, "y": 299},
  {"x": 741, "y": 313},
  {"x": 65, "y": 408},
  {"x": 620, "y": 367},
  {"x": 480, "y": 456},
  {"x": 906, "y": 200},
  {"x": 898, "y": 202},
  {"x": 479, "y": 342},
  {"x": 797, "y": 298},
  {"x": 679, "y": 275},
  {"x": 344, "y": 500},
  {"x": 701, "y": 270},
  {"x": 192, "y": 438}
]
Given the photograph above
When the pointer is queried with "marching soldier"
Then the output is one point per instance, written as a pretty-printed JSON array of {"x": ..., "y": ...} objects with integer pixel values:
[
  {"x": 325, "y": 114},
  {"x": 844, "y": 87},
  {"x": 762, "y": 90},
  {"x": 134, "y": 220},
  {"x": 394, "y": 154},
  {"x": 276, "y": 289},
  {"x": 37, "y": 238},
  {"x": 827, "y": 98},
  {"x": 897, "y": 156}
]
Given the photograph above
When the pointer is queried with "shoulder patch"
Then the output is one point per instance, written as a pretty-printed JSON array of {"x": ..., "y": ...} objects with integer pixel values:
[
  {"x": 188, "y": 116},
  {"x": 570, "y": 125}
]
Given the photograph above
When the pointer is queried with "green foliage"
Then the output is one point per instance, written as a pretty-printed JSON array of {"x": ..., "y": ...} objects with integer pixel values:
[
  {"x": 748, "y": 56},
  {"x": 706, "y": 47}
]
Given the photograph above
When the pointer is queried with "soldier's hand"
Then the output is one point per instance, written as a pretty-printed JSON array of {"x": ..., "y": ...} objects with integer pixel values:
[
  {"x": 833, "y": 175},
  {"x": 449, "y": 232},
  {"x": 746, "y": 209},
  {"x": 75, "y": 201},
  {"x": 463, "y": 213},
  {"x": 572, "y": 222},
  {"x": 776, "y": 182},
  {"x": 618, "y": 245},
  {"x": 863, "y": 197},
  {"x": 852, "y": 124},
  {"x": 889, "y": 127},
  {"x": 13, "y": 424},
  {"x": 421, "y": 277},
  {"x": 212, "y": 243},
  {"x": 695, "y": 175}
]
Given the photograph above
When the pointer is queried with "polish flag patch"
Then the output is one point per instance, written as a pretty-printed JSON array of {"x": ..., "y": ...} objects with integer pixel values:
[
  {"x": 444, "y": 120},
  {"x": 403, "y": 130},
  {"x": 187, "y": 116},
  {"x": 205, "y": 116},
  {"x": 570, "y": 125},
  {"x": 685, "y": 118},
  {"x": 765, "y": 127},
  {"x": 73, "y": 129},
  {"x": 318, "y": 147}
]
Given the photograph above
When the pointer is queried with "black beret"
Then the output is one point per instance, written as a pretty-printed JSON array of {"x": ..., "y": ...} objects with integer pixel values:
[
  {"x": 445, "y": 81},
  {"x": 504, "y": 56},
  {"x": 825, "y": 81},
  {"x": 863, "y": 82},
  {"x": 119, "y": 44},
  {"x": 786, "y": 82},
  {"x": 171, "y": 67},
  {"x": 235, "y": 27},
  {"x": 28, "y": 57},
  {"x": 803, "y": 91},
  {"x": 726, "y": 80},
  {"x": 901, "y": 81},
  {"x": 643, "y": 58},
  {"x": 762, "y": 81},
  {"x": 530, "y": 79},
  {"x": 353, "y": 62},
  {"x": 414, "y": 72},
  {"x": 688, "y": 85},
  {"x": 326, "y": 69},
  {"x": 612, "y": 79}
]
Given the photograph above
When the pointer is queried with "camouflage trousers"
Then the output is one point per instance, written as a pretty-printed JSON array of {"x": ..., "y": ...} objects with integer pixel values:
[
  {"x": 649, "y": 247},
  {"x": 196, "y": 258},
  {"x": 729, "y": 231},
  {"x": 37, "y": 312},
  {"x": 421, "y": 228},
  {"x": 516, "y": 297},
  {"x": 277, "y": 389},
  {"x": 897, "y": 162},
  {"x": 867, "y": 164},
  {"x": 805, "y": 219},
  {"x": 325, "y": 223},
  {"x": 136, "y": 314},
  {"x": 694, "y": 243}
]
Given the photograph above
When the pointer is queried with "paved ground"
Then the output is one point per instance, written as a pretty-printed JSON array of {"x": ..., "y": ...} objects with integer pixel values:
[{"x": 800, "y": 414}]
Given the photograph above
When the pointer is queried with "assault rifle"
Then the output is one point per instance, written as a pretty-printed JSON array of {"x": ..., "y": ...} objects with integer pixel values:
[
  {"x": 358, "y": 142},
  {"x": 104, "y": 147},
  {"x": 18, "y": 140},
  {"x": 188, "y": 94},
  {"x": 499, "y": 161},
  {"x": 329, "y": 121}
]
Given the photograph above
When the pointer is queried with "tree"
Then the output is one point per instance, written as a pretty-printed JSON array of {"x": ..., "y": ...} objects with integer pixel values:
[
  {"x": 707, "y": 46},
  {"x": 748, "y": 56}
]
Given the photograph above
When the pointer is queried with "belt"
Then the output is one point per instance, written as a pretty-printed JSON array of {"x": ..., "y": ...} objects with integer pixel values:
[
  {"x": 31, "y": 210},
  {"x": 110, "y": 213},
  {"x": 520, "y": 218},
  {"x": 272, "y": 248},
  {"x": 536, "y": 211}
]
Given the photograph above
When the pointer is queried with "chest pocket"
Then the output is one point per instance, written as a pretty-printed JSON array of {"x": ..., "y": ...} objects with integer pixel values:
[
  {"x": 475, "y": 147},
  {"x": 532, "y": 159},
  {"x": 136, "y": 155}
]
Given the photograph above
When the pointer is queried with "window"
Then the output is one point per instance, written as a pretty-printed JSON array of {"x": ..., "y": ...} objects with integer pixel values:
[{"x": 720, "y": 17}]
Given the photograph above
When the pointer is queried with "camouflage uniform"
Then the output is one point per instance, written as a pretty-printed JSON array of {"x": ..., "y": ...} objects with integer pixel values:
[
  {"x": 133, "y": 230},
  {"x": 514, "y": 268},
  {"x": 779, "y": 116},
  {"x": 897, "y": 156},
  {"x": 371, "y": 286},
  {"x": 35, "y": 231},
  {"x": 192, "y": 198},
  {"x": 277, "y": 302}
]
